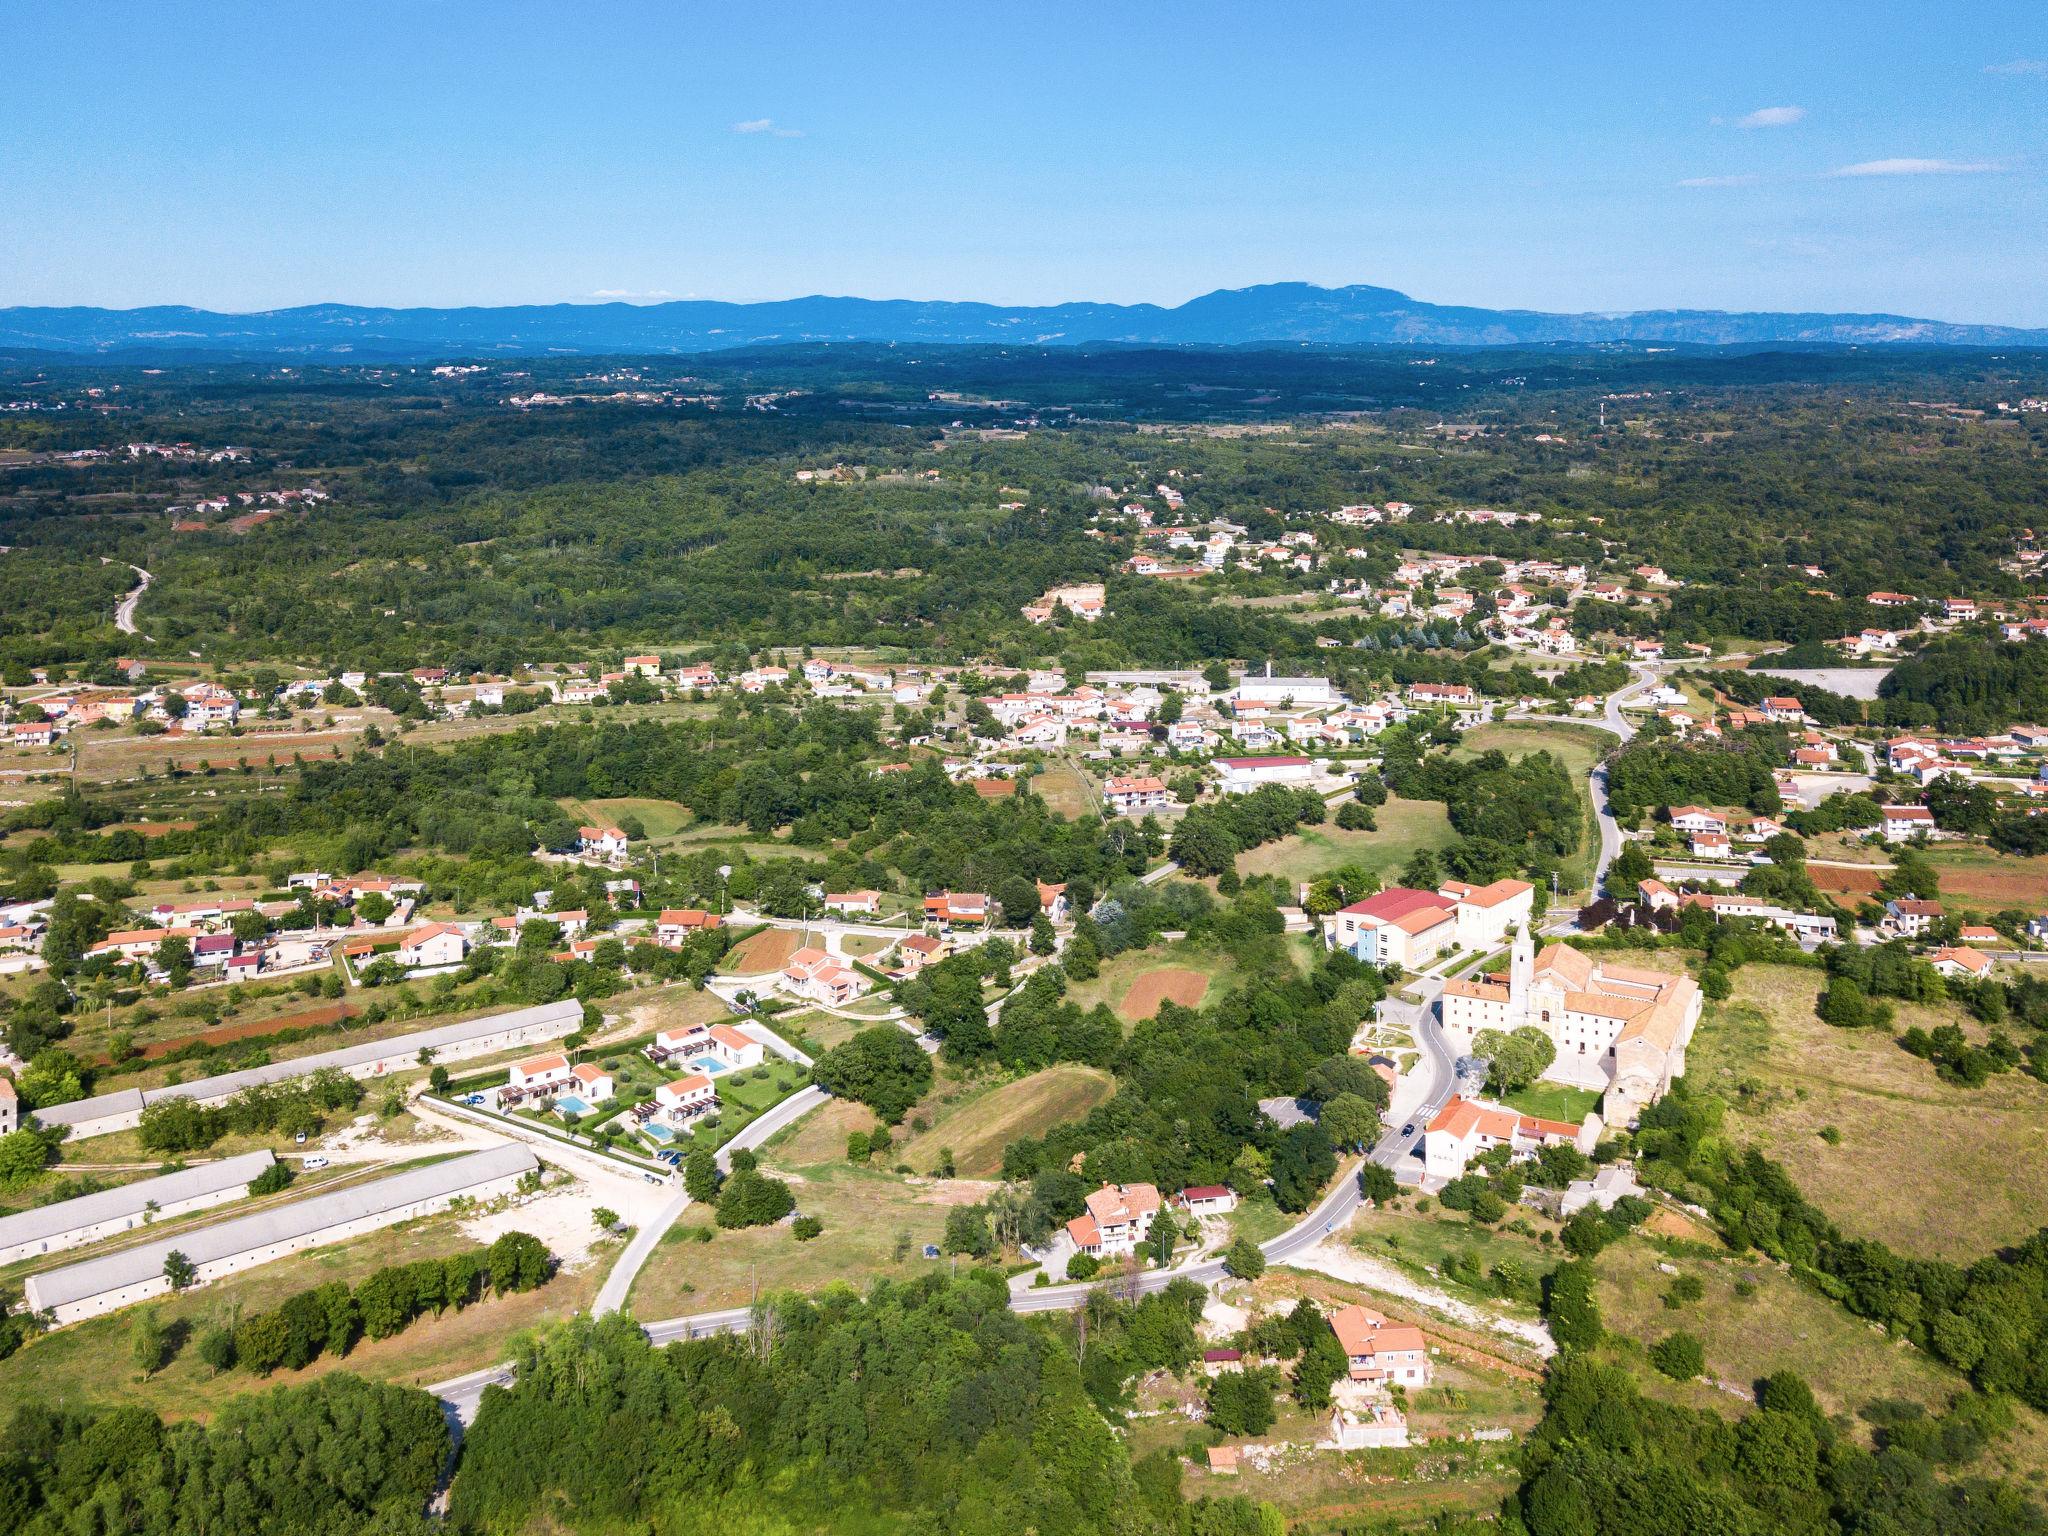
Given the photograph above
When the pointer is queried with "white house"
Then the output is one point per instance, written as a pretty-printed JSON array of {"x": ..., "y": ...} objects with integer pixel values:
[
  {"x": 1902, "y": 823},
  {"x": 1135, "y": 796},
  {"x": 1242, "y": 775},
  {"x": 686, "y": 1096},
  {"x": 537, "y": 1075},
  {"x": 434, "y": 945}
]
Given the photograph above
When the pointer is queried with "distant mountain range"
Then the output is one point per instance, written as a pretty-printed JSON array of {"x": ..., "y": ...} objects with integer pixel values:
[{"x": 1290, "y": 313}]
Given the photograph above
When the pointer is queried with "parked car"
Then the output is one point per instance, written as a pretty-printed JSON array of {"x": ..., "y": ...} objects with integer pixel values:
[{"x": 314, "y": 1162}]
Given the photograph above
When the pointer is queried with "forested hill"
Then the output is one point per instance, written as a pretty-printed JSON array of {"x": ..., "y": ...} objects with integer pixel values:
[{"x": 1273, "y": 312}]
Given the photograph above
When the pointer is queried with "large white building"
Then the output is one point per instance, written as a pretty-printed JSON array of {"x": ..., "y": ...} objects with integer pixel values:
[
  {"x": 1242, "y": 775},
  {"x": 121, "y": 1110},
  {"x": 1617, "y": 1029},
  {"x": 136, "y": 1273},
  {"x": 73, "y": 1223}
]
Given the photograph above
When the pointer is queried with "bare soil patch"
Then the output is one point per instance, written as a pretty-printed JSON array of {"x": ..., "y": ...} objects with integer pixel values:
[{"x": 1168, "y": 985}]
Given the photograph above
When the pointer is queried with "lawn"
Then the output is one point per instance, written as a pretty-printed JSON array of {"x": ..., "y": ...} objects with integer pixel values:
[
  {"x": 659, "y": 818},
  {"x": 89, "y": 1362},
  {"x": 1778, "y": 1325},
  {"x": 977, "y": 1128},
  {"x": 1405, "y": 827},
  {"x": 1935, "y": 1171},
  {"x": 1554, "y": 1101},
  {"x": 876, "y": 1225},
  {"x": 1121, "y": 973}
]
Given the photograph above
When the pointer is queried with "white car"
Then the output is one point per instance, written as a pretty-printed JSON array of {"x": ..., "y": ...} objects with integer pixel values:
[{"x": 313, "y": 1162}]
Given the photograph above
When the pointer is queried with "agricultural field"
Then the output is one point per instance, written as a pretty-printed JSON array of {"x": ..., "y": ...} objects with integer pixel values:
[
  {"x": 1963, "y": 1170},
  {"x": 978, "y": 1127},
  {"x": 1405, "y": 827},
  {"x": 766, "y": 952}
]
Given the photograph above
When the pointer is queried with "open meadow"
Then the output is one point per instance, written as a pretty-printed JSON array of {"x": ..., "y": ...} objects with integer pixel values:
[{"x": 1935, "y": 1170}]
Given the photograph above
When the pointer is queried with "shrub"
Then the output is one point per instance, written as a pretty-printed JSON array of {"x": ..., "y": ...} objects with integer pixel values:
[
  {"x": 1243, "y": 1260},
  {"x": 1679, "y": 1356}
]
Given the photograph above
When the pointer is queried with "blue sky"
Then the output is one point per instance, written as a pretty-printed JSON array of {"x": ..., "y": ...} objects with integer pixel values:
[{"x": 1562, "y": 156}]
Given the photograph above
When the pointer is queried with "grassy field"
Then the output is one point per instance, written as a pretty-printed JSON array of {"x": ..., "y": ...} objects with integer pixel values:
[
  {"x": 1062, "y": 787},
  {"x": 660, "y": 818},
  {"x": 977, "y": 1128},
  {"x": 1936, "y": 1171},
  {"x": 1405, "y": 826},
  {"x": 1122, "y": 972},
  {"x": 1773, "y": 1323},
  {"x": 871, "y": 1217},
  {"x": 89, "y": 1363}
]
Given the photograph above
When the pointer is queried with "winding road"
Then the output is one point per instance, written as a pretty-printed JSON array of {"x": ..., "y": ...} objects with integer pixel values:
[{"x": 124, "y": 611}]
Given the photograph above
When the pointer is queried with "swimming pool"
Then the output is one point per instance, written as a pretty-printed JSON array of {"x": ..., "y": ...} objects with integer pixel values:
[
  {"x": 569, "y": 1104},
  {"x": 654, "y": 1130},
  {"x": 711, "y": 1066}
]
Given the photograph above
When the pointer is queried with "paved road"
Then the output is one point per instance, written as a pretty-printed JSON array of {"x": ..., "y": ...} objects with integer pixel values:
[
  {"x": 1615, "y": 721},
  {"x": 619, "y": 1283},
  {"x": 124, "y": 611}
]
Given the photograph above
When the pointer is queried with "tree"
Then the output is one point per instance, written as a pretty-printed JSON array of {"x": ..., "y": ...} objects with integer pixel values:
[
  {"x": 750, "y": 1198},
  {"x": 701, "y": 1177},
  {"x": 1349, "y": 1121},
  {"x": 858, "y": 1147},
  {"x": 24, "y": 1156},
  {"x": 1322, "y": 1365},
  {"x": 881, "y": 1067},
  {"x": 804, "y": 1228},
  {"x": 604, "y": 1217},
  {"x": 517, "y": 1261},
  {"x": 179, "y": 1271},
  {"x": 967, "y": 1232},
  {"x": 217, "y": 1349},
  {"x": 1377, "y": 1184},
  {"x": 1354, "y": 817},
  {"x": 1514, "y": 1060},
  {"x": 1334, "y": 1076},
  {"x": 1043, "y": 939},
  {"x": 278, "y": 1176},
  {"x": 148, "y": 1342},
  {"x": 1242, "y": 1259},
  {"x": 1241, "y": 1402}
]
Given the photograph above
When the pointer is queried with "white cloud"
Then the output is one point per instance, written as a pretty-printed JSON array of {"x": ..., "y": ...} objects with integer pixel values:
[
  {"x": 1771, "y": 117},
  {"x": 1908, "y": 166},
  {"x": 767, "y": 125},
  {"x": 1718, "y": 181},
  {"x": 2019, "y": 67}
]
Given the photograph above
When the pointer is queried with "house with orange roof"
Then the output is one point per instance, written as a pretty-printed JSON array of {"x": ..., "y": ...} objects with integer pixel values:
[
  {"x": 865, "y": 903},
  {"x": 1464, "y": 1128},
  {"x": 1487, "y": 914},
  {"x": 822, "y": 978},
  {"x": 1135, "y": 795},
  {"x": 603, "y": 842},
  {"x": 676, "y": 924},
  {"x": 1117, "y": 1219},
  {"x": 1379, "y": 1351},
  {"x": 685, "y": 1098},
  {"x": 1970, "y": 964},
  {"x": 915, "y": 951},
  {"x": 958, "y": 909}
]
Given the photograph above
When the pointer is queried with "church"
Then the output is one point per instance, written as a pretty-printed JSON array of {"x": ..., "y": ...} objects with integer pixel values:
[{"x": 1618, "y": 1029}]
